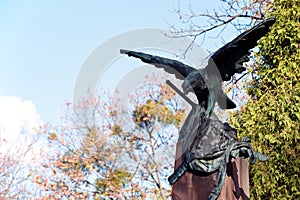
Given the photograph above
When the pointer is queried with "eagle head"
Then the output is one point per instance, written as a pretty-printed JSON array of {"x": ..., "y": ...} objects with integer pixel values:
[
  {"x": 194, "y": 81},
  {"x": 186, "y": 87}
]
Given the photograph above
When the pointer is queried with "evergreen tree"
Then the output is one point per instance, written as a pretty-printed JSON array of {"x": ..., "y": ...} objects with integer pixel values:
[{"x": 272, "y": 117}]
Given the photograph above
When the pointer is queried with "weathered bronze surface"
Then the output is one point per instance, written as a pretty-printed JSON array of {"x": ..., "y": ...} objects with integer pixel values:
[{"x": 206, "y": 144}]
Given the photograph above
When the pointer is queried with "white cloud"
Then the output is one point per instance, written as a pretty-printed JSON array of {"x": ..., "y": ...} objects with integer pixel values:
[
  {"x": 20, "y": 147},
  {"x": 17, "y": 117}
]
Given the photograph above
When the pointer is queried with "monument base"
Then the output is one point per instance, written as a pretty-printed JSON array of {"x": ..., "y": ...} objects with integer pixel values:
[{"x": 198, "y": 187}]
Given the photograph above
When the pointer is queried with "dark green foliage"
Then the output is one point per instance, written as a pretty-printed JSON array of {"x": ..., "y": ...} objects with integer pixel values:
[{"x": 272, "y": 117}]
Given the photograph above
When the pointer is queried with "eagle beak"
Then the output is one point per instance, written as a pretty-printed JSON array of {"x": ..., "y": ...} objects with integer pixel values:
[{"x": 186, "y": 87}]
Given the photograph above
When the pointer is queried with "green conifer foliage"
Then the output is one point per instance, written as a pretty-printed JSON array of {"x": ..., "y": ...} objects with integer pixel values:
[{"x": 272, "y": 117}]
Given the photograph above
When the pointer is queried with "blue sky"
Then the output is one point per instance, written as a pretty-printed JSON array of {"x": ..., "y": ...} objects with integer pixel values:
[{"x": 43, "y": 44}]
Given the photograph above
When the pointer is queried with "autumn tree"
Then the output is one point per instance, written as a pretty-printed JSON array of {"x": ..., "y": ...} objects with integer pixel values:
[
  {"x": 83, "y": 156},
  {"x": 106, "y": 150}
]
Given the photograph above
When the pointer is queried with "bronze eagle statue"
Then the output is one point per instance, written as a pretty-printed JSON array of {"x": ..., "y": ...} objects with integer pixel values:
[{"x": 206, "y": 82}]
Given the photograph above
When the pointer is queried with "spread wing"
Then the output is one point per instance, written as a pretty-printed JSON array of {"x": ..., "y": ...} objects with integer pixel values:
[
  {"x": 230, "y": 58},
  {"x": 171, "y": 66}
]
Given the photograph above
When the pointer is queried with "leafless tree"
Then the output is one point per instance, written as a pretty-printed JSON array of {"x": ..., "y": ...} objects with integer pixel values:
[{"x": 18, "y": 160}]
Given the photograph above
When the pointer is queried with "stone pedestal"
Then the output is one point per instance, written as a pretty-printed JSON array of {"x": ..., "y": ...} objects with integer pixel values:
[{"x": 198, "y": 187}]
